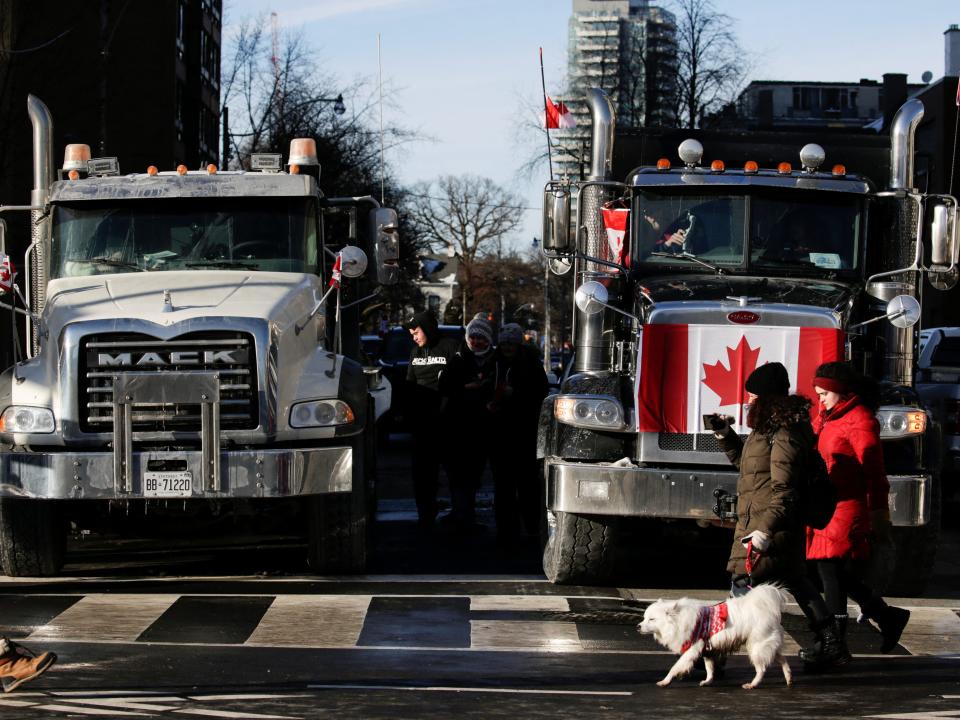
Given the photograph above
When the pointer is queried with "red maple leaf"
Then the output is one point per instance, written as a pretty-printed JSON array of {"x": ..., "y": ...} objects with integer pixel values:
[{"x": 728, "y": 382}]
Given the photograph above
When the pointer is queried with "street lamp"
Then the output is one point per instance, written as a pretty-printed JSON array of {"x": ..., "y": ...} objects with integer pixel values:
[{"x": 338, "y": 107}]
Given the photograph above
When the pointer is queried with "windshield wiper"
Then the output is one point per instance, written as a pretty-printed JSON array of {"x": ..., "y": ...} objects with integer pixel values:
[
  {"x": 692, "y": 258},
  {"x": 223, "y": 264},
  {"x": 110, "y": 262}
]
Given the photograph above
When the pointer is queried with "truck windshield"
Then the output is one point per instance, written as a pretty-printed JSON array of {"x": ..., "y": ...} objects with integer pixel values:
[
  {"x": 803, "y": 233},
  {"x": 265, "y": 234}
]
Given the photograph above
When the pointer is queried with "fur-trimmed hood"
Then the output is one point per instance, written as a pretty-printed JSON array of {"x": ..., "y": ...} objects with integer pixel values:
[{"x": 777, "y": 413}]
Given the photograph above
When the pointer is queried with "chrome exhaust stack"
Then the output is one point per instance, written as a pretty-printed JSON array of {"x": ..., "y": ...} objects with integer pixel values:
[
  {"x": 43, "y": 176},
  {"x": 896, "y": 363},
  {"x": 594, "y": 348}
]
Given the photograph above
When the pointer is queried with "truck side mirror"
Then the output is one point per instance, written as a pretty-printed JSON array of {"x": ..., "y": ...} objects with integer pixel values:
[
  {"x": 386, "y": 245},
  {"x": 353, "y": 261},
  {"x": 943, "y": 236},
  {"x": 903, "y": 311},
  {"x": 556, "y": 220},
  {"x": 591, "y": 297}
]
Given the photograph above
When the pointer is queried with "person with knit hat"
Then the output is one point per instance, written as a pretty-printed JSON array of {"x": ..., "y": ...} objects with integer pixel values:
[
  {"x": 468, "y": 386},
  {"x": 520, "y": 386},
  {"x": 429, "y": 359},
  {"x": 848, "y": 439},
  {"x": 768, "y": 542}
]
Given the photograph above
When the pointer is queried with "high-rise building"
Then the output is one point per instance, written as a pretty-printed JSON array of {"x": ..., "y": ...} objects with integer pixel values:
[{"x": 627, "y": 48}]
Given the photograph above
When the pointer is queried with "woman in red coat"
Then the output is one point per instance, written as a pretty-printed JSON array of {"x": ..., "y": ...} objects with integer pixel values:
[{"x": 849, "y": 442}]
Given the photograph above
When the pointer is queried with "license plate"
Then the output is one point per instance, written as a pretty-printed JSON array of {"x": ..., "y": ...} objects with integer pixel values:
[{"x": 168, "y": 484}]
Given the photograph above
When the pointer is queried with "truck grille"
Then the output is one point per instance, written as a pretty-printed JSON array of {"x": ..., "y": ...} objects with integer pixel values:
[
  {"x": 231, "y": 354},
  {"x": 690, "y": 442}
]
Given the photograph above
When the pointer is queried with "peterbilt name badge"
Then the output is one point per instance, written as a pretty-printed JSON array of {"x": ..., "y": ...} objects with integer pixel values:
[{"x": 743, "y": 317}]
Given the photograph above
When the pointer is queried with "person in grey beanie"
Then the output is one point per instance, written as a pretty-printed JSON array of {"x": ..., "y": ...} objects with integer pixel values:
[{"x": 468, "y": 386}]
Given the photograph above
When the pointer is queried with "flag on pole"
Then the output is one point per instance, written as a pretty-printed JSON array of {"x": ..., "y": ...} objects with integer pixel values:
[
  {"x": 558, "y": 116},
  {"x": 6, "y": 273},
  {"x": 335, "y": 275},
  {"x": 958, "y": 93}
]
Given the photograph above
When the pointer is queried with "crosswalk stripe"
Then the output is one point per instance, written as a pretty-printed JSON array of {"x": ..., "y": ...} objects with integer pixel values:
[
  {"x": 931, "y": 631},
  {"x": 327, "y": 621},
  {"x": 549, "y": 603},
  {"x": 504, "y": 634},
  {"x": 115, "y": 618}
]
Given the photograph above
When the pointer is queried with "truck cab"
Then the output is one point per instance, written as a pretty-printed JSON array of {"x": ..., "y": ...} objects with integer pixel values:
[
  {"x": 689, "y": 276},
  {"x": 187, "y": 341}
]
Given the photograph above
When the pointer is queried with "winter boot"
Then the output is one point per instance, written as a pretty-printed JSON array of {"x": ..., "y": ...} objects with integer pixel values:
[
  {"x": 891, "y": 621},
  {"x": 830, "y": 648},
  {"x": 18, "y": 664}
]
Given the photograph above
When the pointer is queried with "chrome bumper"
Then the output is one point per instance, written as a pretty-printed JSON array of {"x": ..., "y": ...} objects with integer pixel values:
[
  {"x": 593, "y": 489},
  {"x": 242, "y": 473}
]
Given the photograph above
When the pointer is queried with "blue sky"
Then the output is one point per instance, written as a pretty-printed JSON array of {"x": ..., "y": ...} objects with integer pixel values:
[{"x": 464, "y": 70}]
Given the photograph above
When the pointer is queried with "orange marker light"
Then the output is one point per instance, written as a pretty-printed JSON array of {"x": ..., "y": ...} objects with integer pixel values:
[
  {"x": 718, "y": 166},
  {"x": 294, "y": 169},
  {"x": 663, "y": 164},
  {"x": 839, "y": 170},
  {"x": 750, "y": 166},
  {"x": 784, "y": 168},
  {"x": 181, "y": 169},
  {"x": 152, "y": 170},
  {"x": 211, "y": 169}
]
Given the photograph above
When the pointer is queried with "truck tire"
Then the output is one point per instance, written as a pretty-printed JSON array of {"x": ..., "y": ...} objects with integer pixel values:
[
  {"x": 337, "y": 524},
  {"x": 33, "y": 537},
  {"x": 580, "y": 550},
  {"x": 916, "y": 552}
]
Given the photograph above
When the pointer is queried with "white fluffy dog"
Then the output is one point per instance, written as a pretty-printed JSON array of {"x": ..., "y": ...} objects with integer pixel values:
[{"x": 695, "y": 629}]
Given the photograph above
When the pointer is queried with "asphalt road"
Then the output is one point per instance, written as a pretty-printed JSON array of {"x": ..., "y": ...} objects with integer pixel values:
[{"x": 442, "y": 626}]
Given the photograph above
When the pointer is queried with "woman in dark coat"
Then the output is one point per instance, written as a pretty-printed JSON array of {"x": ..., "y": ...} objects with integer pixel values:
[
  {"x": 848, "y": 438},
  {"x": 768, "y": 544}
]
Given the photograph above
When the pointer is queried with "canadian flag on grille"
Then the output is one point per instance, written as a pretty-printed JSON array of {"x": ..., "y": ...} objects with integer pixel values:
[
  {"x": 615, "y": 223},
  {"x": 7, "y": 271},
  {"x": 688, "y": 371},
  {"x": 335, "y": 274}
]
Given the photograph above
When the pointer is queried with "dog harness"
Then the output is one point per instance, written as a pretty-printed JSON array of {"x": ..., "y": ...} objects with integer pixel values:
[{"x": 711, "y": 619}]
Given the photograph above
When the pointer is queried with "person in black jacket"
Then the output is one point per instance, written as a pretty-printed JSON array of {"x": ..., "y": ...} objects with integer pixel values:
[
  {"x": 428, "y": 361},
  {"x": 519, "y": 389},
  {"x": 468, "y": 386}
]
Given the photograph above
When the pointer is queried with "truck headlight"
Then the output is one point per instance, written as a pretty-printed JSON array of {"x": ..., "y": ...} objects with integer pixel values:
[
  {"x": 320, "y": 413},
  {"x": 25, "y": 419},
  {"x": 900, "y": 422},
  {"x": 590, "y": 411}
]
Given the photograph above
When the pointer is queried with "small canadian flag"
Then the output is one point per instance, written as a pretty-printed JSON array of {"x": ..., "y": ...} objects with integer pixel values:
[
  {"x": 558, "y": 116},
  {"x": 335, "y": 275},
  {"x": 7, "y": 271},
  {"x": 615, "y": 223}
]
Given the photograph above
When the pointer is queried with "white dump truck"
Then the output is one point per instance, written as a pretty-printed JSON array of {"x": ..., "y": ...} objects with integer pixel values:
[{"x": 188, "y": 342}]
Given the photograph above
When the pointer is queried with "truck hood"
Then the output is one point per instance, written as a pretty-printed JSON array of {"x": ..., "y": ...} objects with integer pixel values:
[
  {"x": 280, "y": 298},
  {"x": 817, "y": 293}
]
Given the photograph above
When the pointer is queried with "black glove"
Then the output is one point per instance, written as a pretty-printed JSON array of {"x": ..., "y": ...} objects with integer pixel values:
[{"x": 719, "y": 423}]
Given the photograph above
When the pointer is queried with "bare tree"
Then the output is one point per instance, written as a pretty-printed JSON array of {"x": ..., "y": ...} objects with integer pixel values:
[
  {"x": 275, "y": 99},
  {"x": 472, "y": 214},
  {"x": 711, "y": 63}
]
